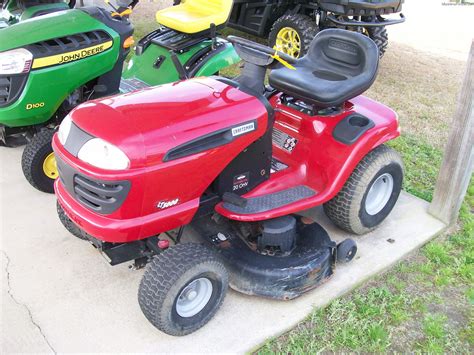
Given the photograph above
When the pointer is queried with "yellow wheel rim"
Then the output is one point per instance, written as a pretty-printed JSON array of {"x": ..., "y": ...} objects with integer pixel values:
[
  {"x": 288, "y": 41},
  {"x": 49, "y": 167}
]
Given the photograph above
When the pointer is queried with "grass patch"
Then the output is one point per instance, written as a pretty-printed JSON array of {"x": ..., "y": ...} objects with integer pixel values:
[
  {"x": 424, "y": 304},
  {"x": 422, "y": 162}
]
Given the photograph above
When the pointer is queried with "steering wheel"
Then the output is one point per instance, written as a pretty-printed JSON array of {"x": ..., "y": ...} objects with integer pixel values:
[{"x": 260, "y": 48}]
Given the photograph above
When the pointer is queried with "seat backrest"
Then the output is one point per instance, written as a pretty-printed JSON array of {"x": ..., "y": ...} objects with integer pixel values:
[
  {"x": 210, "y": 6},
  {"x": 342, "y": 54}
]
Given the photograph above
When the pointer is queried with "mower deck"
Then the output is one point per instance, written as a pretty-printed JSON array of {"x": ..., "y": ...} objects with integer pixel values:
[{"x": 275, "y": 275}]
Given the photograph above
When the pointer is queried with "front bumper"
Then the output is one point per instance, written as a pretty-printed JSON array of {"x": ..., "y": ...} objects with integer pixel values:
[
  {"x": 127, "y": 222},
  {"x": 115, "y": 230}
]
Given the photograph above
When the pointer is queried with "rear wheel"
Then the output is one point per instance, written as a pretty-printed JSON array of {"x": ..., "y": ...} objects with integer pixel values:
[
  {"x": 370, "y": 193},
  {"x": 292, "y": 34},
  {"x": 182, "y": 289},
  {"x": 38, "y": 162}
]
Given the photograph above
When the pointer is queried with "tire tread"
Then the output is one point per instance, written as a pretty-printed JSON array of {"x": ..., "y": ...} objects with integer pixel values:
[
  {"x": 29, "y": 160},
  {"x": 302, "y": 23},
  {"x": 163, "y": 272},
  {"x": 343, "y": 209}
]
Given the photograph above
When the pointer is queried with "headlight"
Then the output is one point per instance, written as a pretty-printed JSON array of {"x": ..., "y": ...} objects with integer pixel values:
[
  {"x": 101, "y": 154},
  {"x": 64, "y": 129},
  {"x": 16, "y": 61}
]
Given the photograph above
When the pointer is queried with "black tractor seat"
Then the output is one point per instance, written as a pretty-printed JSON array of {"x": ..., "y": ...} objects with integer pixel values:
[{"x": 339, "y": 65}]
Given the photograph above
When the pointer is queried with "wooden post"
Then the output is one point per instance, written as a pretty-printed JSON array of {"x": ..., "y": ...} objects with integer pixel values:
[{"x": 458, "y": 161}]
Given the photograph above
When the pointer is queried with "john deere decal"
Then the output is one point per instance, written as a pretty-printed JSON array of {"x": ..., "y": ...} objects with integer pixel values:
[{"x": 71, "y": 56}]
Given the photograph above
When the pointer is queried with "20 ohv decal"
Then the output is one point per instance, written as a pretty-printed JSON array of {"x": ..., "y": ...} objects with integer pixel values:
[{"x": 35, "y": 105}]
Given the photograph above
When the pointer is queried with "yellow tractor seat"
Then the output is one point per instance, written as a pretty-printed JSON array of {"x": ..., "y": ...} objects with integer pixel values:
[{"x": 194, "y": 16}]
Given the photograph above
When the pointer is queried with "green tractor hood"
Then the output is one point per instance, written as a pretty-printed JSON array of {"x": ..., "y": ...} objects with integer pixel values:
[{"x": 56, "y": 24}]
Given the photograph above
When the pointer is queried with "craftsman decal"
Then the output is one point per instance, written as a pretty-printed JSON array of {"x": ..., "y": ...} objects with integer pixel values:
[
  {"x": 71, "y": 56},
  {"x": 249, "y": 127}
]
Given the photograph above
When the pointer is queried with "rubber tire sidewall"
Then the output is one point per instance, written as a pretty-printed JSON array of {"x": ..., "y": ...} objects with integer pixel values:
[
  {"x": 343, "y": 248},
  {"x": 168, "y": 274},
  {"x": 372, "y": 221},
  {"x": 33, "y": 158},
  {"x": 206, "y": 313},
  {"x": 380, "y": 36},
  {"x": 69, "y": 224},
  {"x": 345, "y": 209}
]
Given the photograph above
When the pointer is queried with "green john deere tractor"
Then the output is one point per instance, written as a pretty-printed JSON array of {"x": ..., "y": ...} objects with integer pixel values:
[
  {"x": 291, "y": 25},
  {"x": 14, "y": 11},
  {"x": 50, "y": 64}
]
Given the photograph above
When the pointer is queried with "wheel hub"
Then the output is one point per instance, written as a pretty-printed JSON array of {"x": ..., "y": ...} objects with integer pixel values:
[
  {"x": 194, "y": 297},
  {"x": 288, "y": 41},
  {"x": 50, "y": 168},
  {"x": 379, "y": 194}
]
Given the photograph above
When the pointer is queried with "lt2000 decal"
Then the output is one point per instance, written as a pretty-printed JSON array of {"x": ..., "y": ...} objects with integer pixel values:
[{"x": 167, "y": 204}]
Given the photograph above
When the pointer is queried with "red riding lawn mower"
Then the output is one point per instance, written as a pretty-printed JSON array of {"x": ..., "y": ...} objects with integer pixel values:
[{"x": 236, "y": 161}]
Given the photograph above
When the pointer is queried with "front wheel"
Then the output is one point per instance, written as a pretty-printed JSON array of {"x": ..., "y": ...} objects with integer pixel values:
[
  {"x": 370, "y": 193},
  {"x": 69, "y": 225},
  {"x": 38, "y": 162},
  {"x": 182, "y": 289}
]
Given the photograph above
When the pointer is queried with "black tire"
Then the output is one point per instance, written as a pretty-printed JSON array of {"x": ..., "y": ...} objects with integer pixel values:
[
  {"x": 346, "y": 250},
  {"x": 380, "y": 36},
  {"x": 348, "y": 209},
  {"x": 34, "y": 155},
  {"x": 302, "y": 24},
  {"x": 168, "y": 275},
  {"x": 70, "y": 225}
]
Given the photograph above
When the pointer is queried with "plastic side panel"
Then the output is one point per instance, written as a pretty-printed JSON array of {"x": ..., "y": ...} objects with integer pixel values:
[
  {"x": 56, "y": 24},
  {"x": 143, "y": 67},
  {"x": 31, "y": 11},
  {"x": 50, "y": 86},
  {"x": 318, "y": 160},
  {"x": 219, "y": 61}
]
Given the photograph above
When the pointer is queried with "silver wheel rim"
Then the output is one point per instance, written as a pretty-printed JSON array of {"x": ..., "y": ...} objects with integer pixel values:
[
  {"x": 194, "y": 297},
  {"x": 379, "y": 194}
]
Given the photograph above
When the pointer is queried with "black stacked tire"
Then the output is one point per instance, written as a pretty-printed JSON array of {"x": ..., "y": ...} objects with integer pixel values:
[
  {"x": 166, "y": 278},
  {"x": 380, "y": 36},
  {"x": 69, "y": 225},
  {"x": 302, "y": 24},
  {"x": 349, "y": 208},
  {"x": 34, "y": 155}
]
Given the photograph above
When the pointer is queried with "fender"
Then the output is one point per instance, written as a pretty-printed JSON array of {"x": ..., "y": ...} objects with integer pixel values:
[
  {"x": 216, "y": 60},
  {"x": 330, "y": 162}
]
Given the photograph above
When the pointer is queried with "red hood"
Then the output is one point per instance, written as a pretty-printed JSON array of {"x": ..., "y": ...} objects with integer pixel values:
[{"x": 160, "y": 118}]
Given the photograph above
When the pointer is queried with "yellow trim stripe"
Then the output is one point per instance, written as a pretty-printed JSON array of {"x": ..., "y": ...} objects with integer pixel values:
[{"x": 71, "y": 56}]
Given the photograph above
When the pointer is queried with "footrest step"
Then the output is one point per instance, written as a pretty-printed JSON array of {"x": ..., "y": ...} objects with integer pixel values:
[{"x": 271, "y": 201}]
